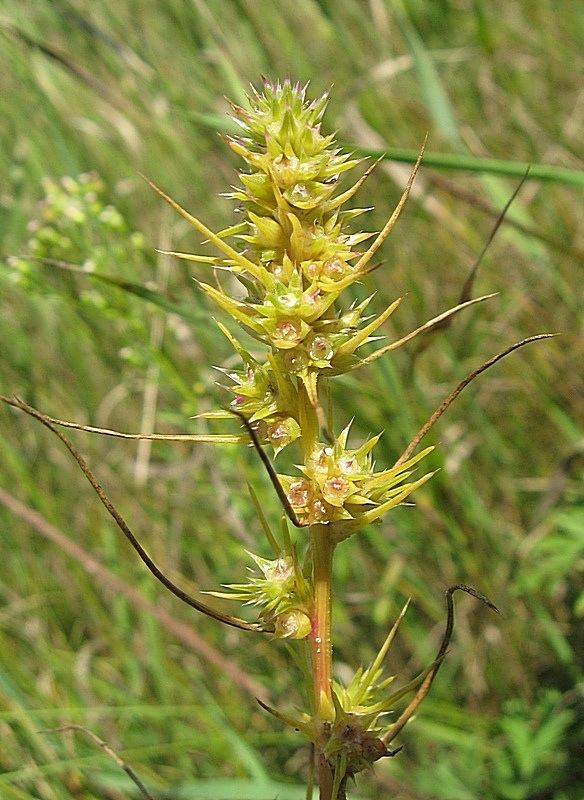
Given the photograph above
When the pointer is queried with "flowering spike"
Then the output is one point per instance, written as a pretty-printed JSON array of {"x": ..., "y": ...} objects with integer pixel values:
[{"x": 298, "y": 258}]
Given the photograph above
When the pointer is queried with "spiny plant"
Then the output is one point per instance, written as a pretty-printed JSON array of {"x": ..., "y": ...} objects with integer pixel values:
[{"x": 293, "y": 256}]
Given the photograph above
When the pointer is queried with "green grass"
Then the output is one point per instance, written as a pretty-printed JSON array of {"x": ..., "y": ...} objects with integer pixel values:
[{"x": 86, "y": 636}]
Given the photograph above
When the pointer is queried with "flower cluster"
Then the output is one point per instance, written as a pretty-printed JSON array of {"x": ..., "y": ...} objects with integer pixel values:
[
  {"x": 283, "y": 592},
  {"x": 75, "y": 219},
  {"x": 294, "y": 255},
  {"x": 297, "y": 257},
  {"x": 339, "y": 486}
]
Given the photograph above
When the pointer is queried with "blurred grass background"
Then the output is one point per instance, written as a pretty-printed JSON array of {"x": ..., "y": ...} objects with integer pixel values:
[{"x": 111, "y": 90}]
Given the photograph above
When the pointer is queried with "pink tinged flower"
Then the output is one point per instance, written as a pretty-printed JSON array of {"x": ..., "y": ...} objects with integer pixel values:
[
  {"x": 298, "y": 194},
  {"x": 282, "y": 432},
  {"x": 313, "y": 269},
  {"x": 299, "y": 494},
  {"x": 294, "y": 361},
  {"x": 319, "y": 511},
  {"x": 333, "y": 268},
  {"x": 311, "y": 297},
  {"x": 349, "y": 465},
  {"x": 336, "y": 490},
  {"x": 286, "y": 333},
  {"x": 276, "y": 571},
  {"x": 320, "y": 350},
  {"x": 292, "y": 624}
]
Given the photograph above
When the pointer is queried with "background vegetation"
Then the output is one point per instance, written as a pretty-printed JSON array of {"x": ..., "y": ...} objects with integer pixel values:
[{"x": 87, "y": 637}]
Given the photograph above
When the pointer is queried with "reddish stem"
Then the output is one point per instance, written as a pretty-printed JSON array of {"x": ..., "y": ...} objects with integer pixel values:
[{"x": 320, "y": 640}]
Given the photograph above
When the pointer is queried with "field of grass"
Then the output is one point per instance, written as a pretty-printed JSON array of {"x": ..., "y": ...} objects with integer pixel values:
[{"x": 92, "y": 95}]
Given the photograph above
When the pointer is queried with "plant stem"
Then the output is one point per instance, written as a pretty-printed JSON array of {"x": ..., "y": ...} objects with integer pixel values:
[
  {"x": 320, "y": 639},
  {"x": 321, "y": 649}
]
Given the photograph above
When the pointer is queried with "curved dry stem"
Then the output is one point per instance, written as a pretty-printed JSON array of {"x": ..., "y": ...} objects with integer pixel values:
[
  {"x": 453, "y": 395},
  {"x": 122, "y": 525},
  {"x": 108, "y": 582},
  {"x": 467, "y": 286},
  {"x": 204, "y": 438},
  {"x": 422, "y": 691},
  {"x": 427, "y": 326},
  {"x": 282, "y": 496},
  {"x": 382, "y": 236},
  {"x": 107, "y": 749}
]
